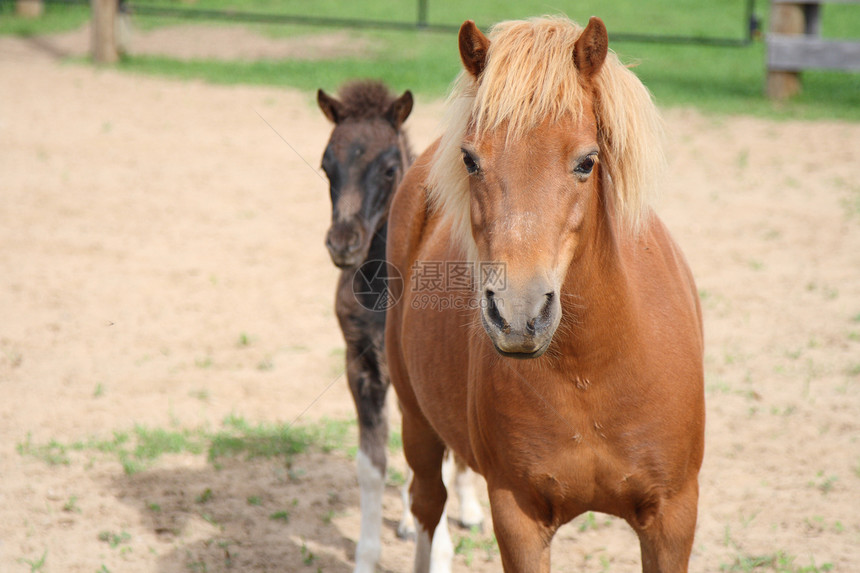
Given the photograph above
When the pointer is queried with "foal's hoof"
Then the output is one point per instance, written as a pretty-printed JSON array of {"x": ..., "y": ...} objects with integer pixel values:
[
  {"x": 471, "y": 515},
  {"x": 479, "y": 526},
  {"x": 405, "y": 532}
]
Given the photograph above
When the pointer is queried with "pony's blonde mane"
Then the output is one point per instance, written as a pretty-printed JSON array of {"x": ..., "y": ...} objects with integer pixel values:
[{"x": 530, "y": 76}]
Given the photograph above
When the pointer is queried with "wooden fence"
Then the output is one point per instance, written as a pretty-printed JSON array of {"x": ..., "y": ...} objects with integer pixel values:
[{"x": 795, "y": 44}]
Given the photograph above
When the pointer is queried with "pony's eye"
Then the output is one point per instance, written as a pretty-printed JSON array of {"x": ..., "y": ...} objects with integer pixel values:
[
  {"x": 391, "y": 172},
  {"x": 469, "y": 162},
  {"x": 586, "y": 166}
]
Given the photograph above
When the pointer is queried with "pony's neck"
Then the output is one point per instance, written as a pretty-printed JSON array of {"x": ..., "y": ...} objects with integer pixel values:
[{"x": 595, "y": 294}]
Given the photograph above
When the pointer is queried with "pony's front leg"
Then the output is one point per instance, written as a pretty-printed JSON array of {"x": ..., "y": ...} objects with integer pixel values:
[
  {"x": 406, "y": 527},
  {"x": 424, "y": 452},
  {"x": 368, "y": 391},
  {"x": 666, "y": 529},
  {"x": 524, "y": 540}
]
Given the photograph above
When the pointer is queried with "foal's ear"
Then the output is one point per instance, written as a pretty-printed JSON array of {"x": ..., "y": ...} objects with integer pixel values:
[
  {"x": 473, "y": 48},
  {"x": 400, "y": 109},
  {"x": 332, "y": 108},
  {"x": 590, "y": 49}
]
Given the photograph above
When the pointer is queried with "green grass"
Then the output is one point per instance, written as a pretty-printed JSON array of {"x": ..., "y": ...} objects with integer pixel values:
[
  {"x": 722, "y": 80},
  {"x": 473, "y": 542},
  {"x": 281, "y": 515},
  {"x": 56, "y": 18},
  {"x": 779, "y": 562},
  {"x": 114, "y": 540},
  {"x": 138, "y": 449},
  {"x": 35, "y": 564},
  {"x": 715, "y": 79}
]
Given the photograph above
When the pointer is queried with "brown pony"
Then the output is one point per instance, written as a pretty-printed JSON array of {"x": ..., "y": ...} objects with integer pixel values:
[
  {"x": 571, "y": 374},
  {"x": 365, "y": 160}
]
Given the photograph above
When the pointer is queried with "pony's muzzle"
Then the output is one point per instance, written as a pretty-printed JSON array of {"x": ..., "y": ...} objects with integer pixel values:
[
  {"x": 520, "y": 325},
  {"x": 344, "y": 243}
]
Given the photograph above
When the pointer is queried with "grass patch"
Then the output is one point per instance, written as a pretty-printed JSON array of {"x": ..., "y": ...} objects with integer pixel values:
[
  {"x": 723, "y": 80},
  {"x": 264, "y": 440},
  {"x": 56, "y": 18},
  {"x": 468, "y": 544},
  {"x": 716, "y": 80},
  {"x": 36, "y": 564},
  {"x": 780, "y": 562},
  {"x": 138, "y": 449},
  {"x": 114, "y": 540},
  {"x": 280, "y": 516}
]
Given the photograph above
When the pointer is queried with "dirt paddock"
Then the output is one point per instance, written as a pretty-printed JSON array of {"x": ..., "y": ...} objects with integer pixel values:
[{"x": 162, "y": 266}]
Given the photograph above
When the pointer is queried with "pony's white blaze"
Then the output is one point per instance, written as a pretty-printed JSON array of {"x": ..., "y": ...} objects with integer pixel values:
[
  {"x": 372, "y": 484},
  {"x": 519, "y": 227}
]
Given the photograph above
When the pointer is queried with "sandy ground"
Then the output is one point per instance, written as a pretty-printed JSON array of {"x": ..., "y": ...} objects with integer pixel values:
[{"x": 162, "y": 265}]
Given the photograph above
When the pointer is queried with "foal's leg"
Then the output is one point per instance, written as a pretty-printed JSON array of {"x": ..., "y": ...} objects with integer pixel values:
[
  {"x": 524, "y": 539},
  {"x": 425, "y": 452},
  {"x": 666, "y": 531},
  {"x": 369, "y": 385},
  {"x": 471, "y": 514}
]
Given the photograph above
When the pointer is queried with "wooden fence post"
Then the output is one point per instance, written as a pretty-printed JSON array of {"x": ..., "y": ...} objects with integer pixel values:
[
  {"x": 29, "y": 8},
  {"x": 104, "y": 48},
  {"x": 787, "y": 20}
]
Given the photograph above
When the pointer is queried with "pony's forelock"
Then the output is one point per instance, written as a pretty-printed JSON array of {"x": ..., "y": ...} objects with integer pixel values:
[{"x": 530, "y": 77}]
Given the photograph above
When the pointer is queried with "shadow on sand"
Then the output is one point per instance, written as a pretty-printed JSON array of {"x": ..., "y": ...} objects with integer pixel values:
[{"x": 249, "y": 515}]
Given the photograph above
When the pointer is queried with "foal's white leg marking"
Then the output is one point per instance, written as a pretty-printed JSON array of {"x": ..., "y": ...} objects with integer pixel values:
[
  {"x": 372, "y": 484},
  {"x": 434, "y": 556},
  {"x": 406, "y": 527},
  {"x": 448, "y": 467},
  {"x": 471, "y": 513}
]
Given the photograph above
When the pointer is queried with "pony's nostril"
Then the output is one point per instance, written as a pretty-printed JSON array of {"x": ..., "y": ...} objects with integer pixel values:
[
  {"x": 354, "y": 240},
  {"x": 493, "y": 314},
  {"x": 544, "y": 317}
]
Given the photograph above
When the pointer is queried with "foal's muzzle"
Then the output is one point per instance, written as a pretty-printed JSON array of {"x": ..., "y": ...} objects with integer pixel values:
[{"x": 346, "y": 244}]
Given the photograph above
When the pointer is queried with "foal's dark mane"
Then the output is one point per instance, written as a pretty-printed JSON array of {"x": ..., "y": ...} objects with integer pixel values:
[
  {"x": 365, "y": 99},
  {"x": 370, "y": 99}
]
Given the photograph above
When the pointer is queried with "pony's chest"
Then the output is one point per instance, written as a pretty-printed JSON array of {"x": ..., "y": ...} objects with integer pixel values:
[
  {"x": 588, "y": 473},
  {"x": 577, "y": 462}
]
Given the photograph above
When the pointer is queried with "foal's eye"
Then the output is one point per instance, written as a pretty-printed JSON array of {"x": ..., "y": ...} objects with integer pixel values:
[
  {"x": 390, "y": 172},
  {"x": 470, "y": 163},
  {"x": 586, "y": 166}
]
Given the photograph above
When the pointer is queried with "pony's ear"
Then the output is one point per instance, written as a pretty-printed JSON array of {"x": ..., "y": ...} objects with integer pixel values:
[
  {"x": 473, "y": 48},
  {"x": 590, "y": 49},
  {"x": 400, "y": 109},
  {"x": 332, "y": 108}
]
